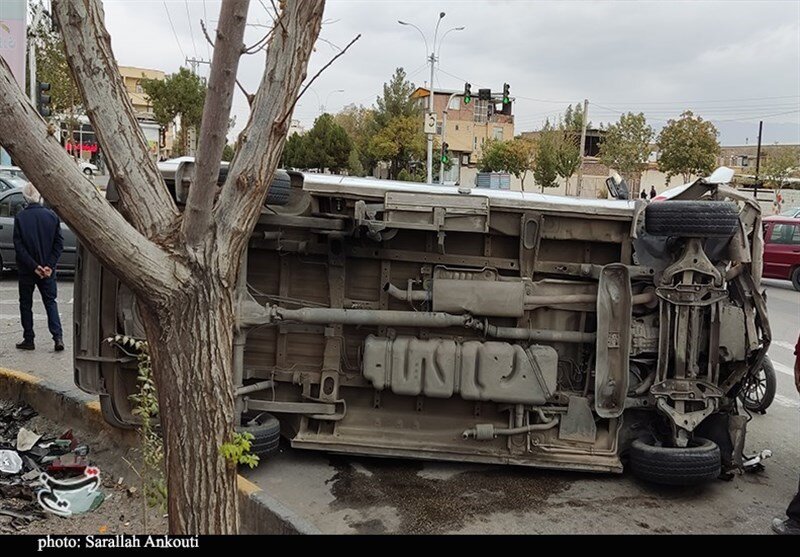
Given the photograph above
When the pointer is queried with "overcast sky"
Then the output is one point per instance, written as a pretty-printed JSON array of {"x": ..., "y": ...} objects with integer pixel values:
[{"x": 732, "y": 62}]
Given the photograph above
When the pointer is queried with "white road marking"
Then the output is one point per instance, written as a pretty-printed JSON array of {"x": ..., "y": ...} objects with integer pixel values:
[
  {"x": 787, "y": 402},
  {"x": 783, "y": 369},
  {"x": 783, "y": 344}
]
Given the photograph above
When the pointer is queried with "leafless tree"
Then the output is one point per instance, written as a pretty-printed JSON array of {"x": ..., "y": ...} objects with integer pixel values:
[{"x": 182, "y": 266}]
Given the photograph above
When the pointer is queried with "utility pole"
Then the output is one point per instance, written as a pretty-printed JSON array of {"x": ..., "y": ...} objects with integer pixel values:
[
  {"x": 583, "y": 145},
  {"x": 758, "y": 157},
  {"x": 194, "y": 63}
]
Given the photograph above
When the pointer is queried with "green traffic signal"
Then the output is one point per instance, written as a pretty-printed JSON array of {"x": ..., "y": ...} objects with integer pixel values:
[
  {"x": 506, "y": 100},
  {"x": 445, "y": 159},
  {"x": 467, "y": 100}
]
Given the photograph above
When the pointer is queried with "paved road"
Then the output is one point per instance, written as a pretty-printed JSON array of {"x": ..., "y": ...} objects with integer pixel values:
[{"x": 345, "y": 494}]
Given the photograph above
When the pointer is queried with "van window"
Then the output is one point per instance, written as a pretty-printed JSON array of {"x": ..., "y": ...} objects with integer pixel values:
[
  {"x": 12, "y": 205},
  {"x": 785, "y": 234}
]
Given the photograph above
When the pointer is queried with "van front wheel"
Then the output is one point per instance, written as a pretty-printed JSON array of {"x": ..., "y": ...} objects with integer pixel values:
[{"x": 700, "y": 462}]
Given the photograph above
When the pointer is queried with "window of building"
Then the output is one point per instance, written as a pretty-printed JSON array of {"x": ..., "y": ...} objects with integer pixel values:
[
  {"x": 456, "y": 127},
  {"x": 745, "y": 160},
  {"x": 12, "y": 205},
  {"x": 139, "y": 88},
  {"x": 438, "y": 128},
  {"x": 455, "y": 104},
  {"x": 480, "y": 111},
  {"x": 497, "y": 133}
]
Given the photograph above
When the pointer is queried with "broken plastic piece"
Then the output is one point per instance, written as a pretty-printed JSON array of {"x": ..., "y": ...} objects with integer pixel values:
[
  {"x": 69, "y": 462},
  {"x": 10, "y": 462},
  {"x": 26, "y": 439}
]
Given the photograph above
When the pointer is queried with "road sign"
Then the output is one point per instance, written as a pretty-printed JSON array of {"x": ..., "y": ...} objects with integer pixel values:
[{"x": 430, "y": 123}]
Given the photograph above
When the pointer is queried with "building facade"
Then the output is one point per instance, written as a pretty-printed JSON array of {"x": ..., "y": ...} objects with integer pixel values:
[
  {"x": 469, "y": 127},
  {"x": 160, "y": 142}
]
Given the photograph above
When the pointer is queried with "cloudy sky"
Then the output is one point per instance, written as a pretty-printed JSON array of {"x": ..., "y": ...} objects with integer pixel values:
[{"x": 733, "y": 62}]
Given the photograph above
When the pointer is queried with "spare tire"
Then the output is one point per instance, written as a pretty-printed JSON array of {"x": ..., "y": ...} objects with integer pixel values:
[
  {"x": 279, "y": 189},
  {"x": 266, "y": 432},
  {"x": 700, "y": 462},
  {"x": 694, "y": 219}
]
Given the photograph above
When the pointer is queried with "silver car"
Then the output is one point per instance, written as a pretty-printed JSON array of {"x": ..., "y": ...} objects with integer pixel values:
[{"x": 11, "y": 203}]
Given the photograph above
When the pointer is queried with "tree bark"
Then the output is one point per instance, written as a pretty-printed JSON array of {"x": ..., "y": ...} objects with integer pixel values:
[{"x": 192, "y": 365}]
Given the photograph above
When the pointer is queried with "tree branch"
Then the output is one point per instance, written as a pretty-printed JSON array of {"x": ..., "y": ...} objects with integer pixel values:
[
  {"x": 261, "y": 143},
  {"x": 143, "y": 195},
  {"x": 316, "y": 75},
  {"x": 214, "y": 125},
  {"x": 137, "y": 260}
]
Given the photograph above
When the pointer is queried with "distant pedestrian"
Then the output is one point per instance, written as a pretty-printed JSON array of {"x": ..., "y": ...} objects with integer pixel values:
[
  {"x": 791, "y": 525},
  {"x": 643, "y": 195},
  {"x": 653, "y": 192},
  {"x": 38, "y": 243}
]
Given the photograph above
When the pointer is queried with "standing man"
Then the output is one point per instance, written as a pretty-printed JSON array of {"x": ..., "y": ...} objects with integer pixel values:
[
  {"x": 652, "y": 192},
  {"x": 38, "y": 243},
  {"x": 791, "y": 525}
]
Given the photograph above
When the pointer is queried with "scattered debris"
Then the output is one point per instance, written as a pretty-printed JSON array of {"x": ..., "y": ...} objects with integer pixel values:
[
  {"x": 71, "y": 496},
  {"x": 26, "y": 439},
  {"x": 10, "y": 462}
]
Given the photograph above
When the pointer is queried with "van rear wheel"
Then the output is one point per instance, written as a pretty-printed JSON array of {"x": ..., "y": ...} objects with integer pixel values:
[
  {"x": 796, "y": 279},
  {"x": 700, "y": 462},
  {"x": 266, "y": 432}
]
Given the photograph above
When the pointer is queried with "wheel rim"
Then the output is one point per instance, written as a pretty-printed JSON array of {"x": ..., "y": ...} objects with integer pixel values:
[{"x": 756, "y": 388}]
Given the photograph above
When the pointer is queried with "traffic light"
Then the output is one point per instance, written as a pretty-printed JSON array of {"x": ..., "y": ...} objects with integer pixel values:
[
  {"x": 445, "y": 153},
  {"x": 506, "y": 94},
  {"x": 467, "y": 93},
  {"x": 42, "y": 100}
]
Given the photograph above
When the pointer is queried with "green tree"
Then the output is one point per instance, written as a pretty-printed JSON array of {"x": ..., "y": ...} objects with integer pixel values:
[
  {"x": 396, "y": 100},
  {"x": 180, "y": 94},
  {"x": 513, "y": 156},
  {"x": 626, "y": 147},
  {"x": 688, "y": 146},
  {"x": 400, "y": 142},
  {"x": 327, "y": 145},
  {"x": 567, "y": 143},
  {"x": 781, "y": 163},
  {"x": 545, "y": 164},
  {"x": 295, "y": 152},
  {"x": 360, "y": 125},
  {"x": 227, "y": 152}
]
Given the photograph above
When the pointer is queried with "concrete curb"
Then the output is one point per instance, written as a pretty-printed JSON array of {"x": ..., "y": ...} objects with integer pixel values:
[{"x": 260, "y": 512}]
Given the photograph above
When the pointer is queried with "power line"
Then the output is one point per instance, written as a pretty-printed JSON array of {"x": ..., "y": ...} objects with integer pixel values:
[
  {"x": 191, "y": 33},
  {"x": 174, "y": 34}
]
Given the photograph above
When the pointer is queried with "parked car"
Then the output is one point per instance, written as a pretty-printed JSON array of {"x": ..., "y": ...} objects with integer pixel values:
[
  {"x": 9, "y": 181},
  {"x": 11, "y": 203},
  {"x": 792, "y": 212},
  {"x": 406, "y": 320},
  {"x": 13, "y": 171},
  {"x": 87, "y": 168},
  {"x": 782, "y": 249}
]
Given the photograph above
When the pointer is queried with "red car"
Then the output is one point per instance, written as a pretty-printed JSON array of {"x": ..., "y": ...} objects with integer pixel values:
[{"x": 782, "y": 249}]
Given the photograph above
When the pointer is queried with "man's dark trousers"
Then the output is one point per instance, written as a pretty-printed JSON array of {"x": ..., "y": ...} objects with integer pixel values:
[{"x": 48, "y": 290}]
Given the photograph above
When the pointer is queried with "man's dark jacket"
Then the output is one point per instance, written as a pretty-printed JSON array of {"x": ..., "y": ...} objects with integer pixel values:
[{"x": 37, "y": 239}]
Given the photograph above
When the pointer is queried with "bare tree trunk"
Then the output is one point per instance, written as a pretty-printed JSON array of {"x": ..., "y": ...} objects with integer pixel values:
[{"x": 192, "y": 365}]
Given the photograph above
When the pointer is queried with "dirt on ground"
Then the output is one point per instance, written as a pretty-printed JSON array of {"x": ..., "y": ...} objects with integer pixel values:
[{"x": 122, "y": 510}]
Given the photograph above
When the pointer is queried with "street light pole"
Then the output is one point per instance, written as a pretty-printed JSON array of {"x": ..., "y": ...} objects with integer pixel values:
[{"x": 432, "y": 61}]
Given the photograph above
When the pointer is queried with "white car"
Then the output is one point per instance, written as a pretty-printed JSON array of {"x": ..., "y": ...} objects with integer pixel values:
[{"x": 87, "y": 168}]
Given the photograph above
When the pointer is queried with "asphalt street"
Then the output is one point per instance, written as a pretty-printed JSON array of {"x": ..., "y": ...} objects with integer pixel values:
[{"x": 346, "y": 494}]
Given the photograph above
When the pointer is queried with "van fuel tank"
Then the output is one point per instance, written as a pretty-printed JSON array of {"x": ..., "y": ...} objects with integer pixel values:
[{"x": 440, "y": 368}]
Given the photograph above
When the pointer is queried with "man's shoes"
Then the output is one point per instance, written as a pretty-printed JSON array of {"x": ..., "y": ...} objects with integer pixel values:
[
  {"x": 26, "y": 345},
  {"x": 786, "y": 526},
  {"x": 59, "y": 345}
]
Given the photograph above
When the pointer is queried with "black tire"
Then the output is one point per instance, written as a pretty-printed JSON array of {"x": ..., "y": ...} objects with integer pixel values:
[
  {"x": 279, "y": 189},
  {"x": 758, "y": 393},
  {"x": 266, "y": 432},
  {"x": 796, "y": 279},
  {"x": 88, "y": 172},
  {"x": 693, "y": 219},
  {"x": 696, "y": 464}
]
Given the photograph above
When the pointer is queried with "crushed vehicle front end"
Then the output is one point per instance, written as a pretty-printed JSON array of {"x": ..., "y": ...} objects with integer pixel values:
[{"x": 394, "y": 319}]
